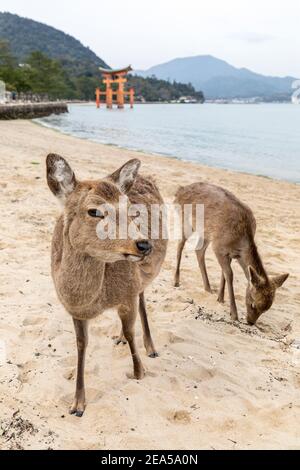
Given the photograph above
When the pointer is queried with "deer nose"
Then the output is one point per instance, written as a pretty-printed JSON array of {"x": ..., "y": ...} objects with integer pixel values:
[{"x": 144, "y": 246}]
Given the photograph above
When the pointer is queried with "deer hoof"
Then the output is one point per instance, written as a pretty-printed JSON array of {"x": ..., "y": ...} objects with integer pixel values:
[
  {"x": 77, "y": 413},
  {"x": 153, "y": 355},
  {"x": 137, "y": 375},
  {"x": 140, "y": 375},
  {"x": 77, "y": 409},
  {"x": 120, "y": 341}
]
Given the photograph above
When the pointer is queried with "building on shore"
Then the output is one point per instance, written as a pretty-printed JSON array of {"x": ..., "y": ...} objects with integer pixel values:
[{"x": 187, "y": 100}]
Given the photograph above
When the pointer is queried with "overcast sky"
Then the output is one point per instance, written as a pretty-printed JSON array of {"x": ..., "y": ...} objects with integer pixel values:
[{"x": 262, "y": 35}]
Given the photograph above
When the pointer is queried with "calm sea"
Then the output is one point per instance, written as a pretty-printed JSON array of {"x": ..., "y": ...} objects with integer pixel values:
[{"x": 263, "y": 139}]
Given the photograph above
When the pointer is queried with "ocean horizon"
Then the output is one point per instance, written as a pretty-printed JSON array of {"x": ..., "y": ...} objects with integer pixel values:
[{"x": 260, "y": 139}]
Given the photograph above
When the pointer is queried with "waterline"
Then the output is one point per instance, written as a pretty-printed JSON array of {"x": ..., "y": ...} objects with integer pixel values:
[{"x": 259, "y": 139}]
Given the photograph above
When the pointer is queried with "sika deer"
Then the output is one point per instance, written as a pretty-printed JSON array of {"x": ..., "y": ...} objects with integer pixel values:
[
  {"x": 230, "y": 226},
  {"x": 91, "y": 274}
]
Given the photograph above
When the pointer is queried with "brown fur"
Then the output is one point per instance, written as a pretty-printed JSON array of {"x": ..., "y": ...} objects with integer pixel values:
[
  {"x": 92, "y": 275},
  {"x": 230, "y": 226}
]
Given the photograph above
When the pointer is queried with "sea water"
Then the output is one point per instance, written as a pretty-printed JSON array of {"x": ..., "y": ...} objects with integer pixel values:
[{"x": 263, "y": 139}]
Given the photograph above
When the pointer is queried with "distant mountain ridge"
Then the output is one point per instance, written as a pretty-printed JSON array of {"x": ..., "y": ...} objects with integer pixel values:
[
  {"x": 61, "y": 67},
  {"x": 218, "y": 79},
  {"x": 215, "y": 77},
  {"x": 25, "y": 36}
]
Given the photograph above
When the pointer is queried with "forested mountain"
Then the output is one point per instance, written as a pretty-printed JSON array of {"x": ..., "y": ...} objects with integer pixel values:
[
  {"x": 26, "y": 36},
  {"x": 153, "y": 89},
  {"x": 40, "y": 59},
  {"x": 218, "y": 79}
]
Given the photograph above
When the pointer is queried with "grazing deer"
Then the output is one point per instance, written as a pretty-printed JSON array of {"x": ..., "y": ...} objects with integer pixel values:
[
  {"x": 91, "y": 274},
  {"x": 230, "y": 226}
]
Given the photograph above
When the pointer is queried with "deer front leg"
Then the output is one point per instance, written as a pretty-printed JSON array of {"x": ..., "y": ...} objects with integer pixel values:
[
  {"x": 81, "y": 331},
  {"x": 148, "y": 342},
  {"x": 221, "y": 295},
  {"x": 225, "y": 263},
  {"x": 146, "y": 329},
  {"x": 128, "y": 317},
  {"x": 201, "y": 261},
  {"x": 179, "y": 256}
]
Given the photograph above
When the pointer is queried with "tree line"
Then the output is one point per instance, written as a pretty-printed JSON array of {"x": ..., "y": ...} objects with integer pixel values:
[{"x": 40, "y": 74}]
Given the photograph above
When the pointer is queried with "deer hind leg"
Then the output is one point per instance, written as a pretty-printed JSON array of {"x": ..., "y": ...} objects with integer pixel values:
[
  {"x": 128, "y": 317},
  {"x": 148, "y": 342},
  {"x": 81, "y": 331},
  {"x": 221, "y": 295},
  {"x": 225, "y": 263},
  {"x": 181, "y": 245},
  {"x": 201, "y": 261}
]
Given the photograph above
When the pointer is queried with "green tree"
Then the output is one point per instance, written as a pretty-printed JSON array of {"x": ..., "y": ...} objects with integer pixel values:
[
  {"x": 41, "y": 74},
  {"x": 46, "y": 76},
  {"x": 7, "y": 65}
]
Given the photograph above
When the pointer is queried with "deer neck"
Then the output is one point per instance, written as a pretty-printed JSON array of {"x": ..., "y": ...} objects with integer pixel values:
[
  {"x": 251, "y": 257},
  {"x": 82, "y": 276}
]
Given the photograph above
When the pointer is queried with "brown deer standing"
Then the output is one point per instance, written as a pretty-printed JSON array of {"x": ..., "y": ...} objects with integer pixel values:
[
  {"x": 230, "y": 226},
  {"x": 91, "y": 274}
]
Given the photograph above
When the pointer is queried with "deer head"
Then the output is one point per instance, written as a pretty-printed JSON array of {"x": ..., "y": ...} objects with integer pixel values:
[
  {"x": 93, "y": 205},
  {"x": 260, "y": 293}
]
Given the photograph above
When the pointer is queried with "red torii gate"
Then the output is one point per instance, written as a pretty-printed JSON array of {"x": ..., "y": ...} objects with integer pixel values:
[{"x": 110, "y": 77}]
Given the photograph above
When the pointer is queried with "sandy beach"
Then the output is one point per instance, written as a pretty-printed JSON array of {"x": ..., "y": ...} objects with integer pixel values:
[{"x": 215, "y": 385}]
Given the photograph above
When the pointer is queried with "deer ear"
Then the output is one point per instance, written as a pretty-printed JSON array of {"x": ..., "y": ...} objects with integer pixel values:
[
  {"x": 60, "y": 177},
  {"x": 126, "y": 175},
  {"x": 255, "y": 278},
  {"x": 279, "y": 280}
]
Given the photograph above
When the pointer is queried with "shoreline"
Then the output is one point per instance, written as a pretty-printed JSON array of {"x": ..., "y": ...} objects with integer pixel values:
[
  {"x": 215, "y": 383},
  {"x": 18, "y": 110},
  {"x": 160, "y": 155},
  {"x": 92, "y": 103}
]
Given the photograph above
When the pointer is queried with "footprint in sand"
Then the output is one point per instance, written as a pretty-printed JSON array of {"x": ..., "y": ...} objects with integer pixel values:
[
  {"x": 34, "y": 320},
  {"x": 25, "y": 370},
  {"x": 69, "y": 375},
  {"x": 179, "y": 417},
  {"x": 170, "y": 307},
  {"x": 92, "y": 396},
  {"x": 148, "y": 373},
  {"x": 173, "y": 339},
  {"x": 69, "y": 361}
]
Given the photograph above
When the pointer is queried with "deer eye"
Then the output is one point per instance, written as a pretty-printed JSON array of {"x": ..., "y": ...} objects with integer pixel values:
[{"x": 95, "y": 213}]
